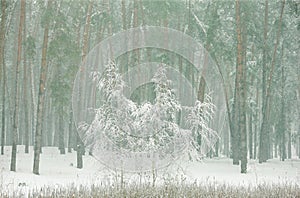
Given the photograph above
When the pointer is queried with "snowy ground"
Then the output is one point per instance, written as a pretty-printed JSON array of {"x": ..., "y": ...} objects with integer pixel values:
[{"x": 60, "y": 170}]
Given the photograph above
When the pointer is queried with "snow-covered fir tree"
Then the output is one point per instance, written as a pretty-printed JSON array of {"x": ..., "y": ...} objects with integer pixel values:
[
  {"x": 147, "y": 127},
  {"x": 203, "y": 137}
]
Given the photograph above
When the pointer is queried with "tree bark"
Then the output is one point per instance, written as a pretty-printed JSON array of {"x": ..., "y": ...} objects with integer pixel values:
[
  {"x": 250, "y": 136},
  {"x": 202, "y": 83},
  {"x": 25, "y": 90},
  {"x": 86, "y": 30},
  {"x": 201, "y": 89},
  {"x": 70, "y": 137},
  {"x": 264, "y": 140},
  {"x": 2, "y": 35},
  {"x": 80, "y": 146},
  {"x": 298, "y": 146},
  {"x": 241, "y": 91},
  {"x": 256, "y": 116},
  {"x": 41, "y": 99},
  {"x": 230, "y": 121},
  {"x": 79, "y": 150},
  {"x": 262, "y": 145},
  {"x": 289, "y": 144},
  {"x": 61, "y": 139},
  {"x": 282, "y": 120},
  {"x": 16, "y": 99},
  {"x": 235, "y": 135},
  {"x": 33, "y": 102},
  {"x": 251, "y": 115},
  {"x": 2, "y": 70}
]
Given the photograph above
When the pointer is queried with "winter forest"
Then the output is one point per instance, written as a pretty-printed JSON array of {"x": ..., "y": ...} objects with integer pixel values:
[{"x": 142, "y": 98}]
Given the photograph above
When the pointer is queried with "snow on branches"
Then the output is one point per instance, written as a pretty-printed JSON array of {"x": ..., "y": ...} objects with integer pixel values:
[
  {"x": 198, "y": 121},
  {"x": 149, "y": 127}
]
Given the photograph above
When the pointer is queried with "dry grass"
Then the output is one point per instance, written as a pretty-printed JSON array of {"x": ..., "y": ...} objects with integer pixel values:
[{"x": 167, "y": 190}]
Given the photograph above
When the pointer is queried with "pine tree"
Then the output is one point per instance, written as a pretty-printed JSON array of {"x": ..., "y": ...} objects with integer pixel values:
[
  {"x": 198, "y": 119},
  {"x": 17, "y": 90},
  {"x": 41, "y": 98}
]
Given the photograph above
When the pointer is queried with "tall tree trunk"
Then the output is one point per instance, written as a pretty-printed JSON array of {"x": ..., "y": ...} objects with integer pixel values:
[
  {"x": 2, "y": 35},
  {"x": 201, "y": 89},
  {"x": 202, "y": 83},
  {"x": 49, "y": 115},
  {"x": 235, "y": 133},
  {"x": 298, "y": 105},
  {"x": 41, "y": 99},
  {"x": 250, "y": 136},
  {"x": 282, "y": 120},
  {"x": 61, "y": 139},
  {"x": 33, "y": 109},
  {"x": 80, "y": 146},
  {"x": 256, "y": 123},
  {"x": 70, "y": 136},
  {"x": 79, "y": 150},
  {"x": 262, "y": 144},
  {"x": 25, "y": 90},
  {"x": 2, "y": 70},
  {"x": 16, "y": 99},
  {"x": 299, "y": 142},
  {"x": 264, "y": 139},
  {"x": 251, "y": 115},
  {"x": 86, "y": 31},
  {"x": 33, "y": 102},
  {"x": 226, "y": 145},
  {"x": 241, "y": 91},
  {"x": 3, "y": 110},
  {"x": 289, "y": 144},
  {"x": 276, "y": 148}
]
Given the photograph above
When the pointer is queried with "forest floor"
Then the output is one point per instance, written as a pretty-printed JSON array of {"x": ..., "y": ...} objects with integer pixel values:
[{"x": 60, "y": 170}]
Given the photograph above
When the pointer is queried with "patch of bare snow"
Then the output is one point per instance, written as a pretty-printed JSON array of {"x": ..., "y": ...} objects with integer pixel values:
[{"x": 60, "y": 170}]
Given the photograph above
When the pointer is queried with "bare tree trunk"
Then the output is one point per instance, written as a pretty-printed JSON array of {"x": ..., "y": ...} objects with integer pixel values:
[
  {"x": 8, "y": 92},
  {"x": 262, "y": 146},
  {"x": 70, "y": 137},
  {"x": 16, "y": 99},
  {"x": 282, "y": 120},
  {"x": 298, "y": 145},
  {"x": 235, "y": 133},
  {"x": 256, "y": 124},
  {"x": 41, "y": 100},
  {"x": 3, "y": 110},
  {"x": 61, "y": 139},
  {"x": 79, "y": 152},
  {"x": 241, "y": 91},
  {"x": 2, "y": 35},
  {"x": 80, "y": 146},
  {"x": 33, "y": 102},
  {"x": 2, "y": 70},
  {"x": 276, "y": 148},
  {"x": 86, "y": 31},
  {"x": 201, "y": 89},
  {"x": 226, "y": 145},
  {"x": 25, "y": 90},
  {"x": 289, "y": 144},
  {"x": 33, "y": 108},
  {"x": 250, "y": 136},
  {"x": 202, "y": 84},
  {"x": 251, "y": 116},
  {"x": 264, "y": 140},
  {"x": 49, "y": 115}
]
